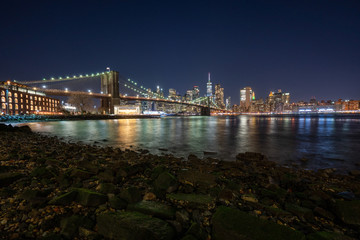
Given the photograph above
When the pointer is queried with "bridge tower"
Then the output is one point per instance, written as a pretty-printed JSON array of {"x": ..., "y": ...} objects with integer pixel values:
[{"x": 110, "y": 85}]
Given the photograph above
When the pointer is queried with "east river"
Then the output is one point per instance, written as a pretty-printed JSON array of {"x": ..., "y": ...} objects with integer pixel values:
[{"x": 320, "y": 141}]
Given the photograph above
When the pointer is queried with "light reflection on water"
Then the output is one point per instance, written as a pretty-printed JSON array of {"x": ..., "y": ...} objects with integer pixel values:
[{"x": 327, "y": 141}]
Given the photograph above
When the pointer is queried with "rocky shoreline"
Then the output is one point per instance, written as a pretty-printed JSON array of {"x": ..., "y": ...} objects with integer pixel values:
[{"x": 51, "y": 189}]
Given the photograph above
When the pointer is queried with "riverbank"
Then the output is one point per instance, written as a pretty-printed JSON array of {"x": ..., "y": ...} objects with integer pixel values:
[
  {"x": 34, "y": 118},
  {"x": 52, "y": 189}
]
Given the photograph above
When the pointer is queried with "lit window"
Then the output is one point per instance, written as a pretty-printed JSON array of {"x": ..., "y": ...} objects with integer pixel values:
[
  {"x": 10, "y": 99},
  {"x": 10, "y": 106},
  {"x": 36, "y": 108},
  {"x": 40, "y": 108},
  {"x": 21, "y": 100},
  {"x": 3, "y": 99},
  {"x": 22, "y": 106},
  {"x": 2, "y": 93},
  {"x": 35, "y": 98},
  {"x": 16, "y": 100},
  {"x": 31, "y": 102},
  {"x": 31, "y": 108},
  {"x": 10, "y": 94},
  {"x": 21, "y": 95},
  {"x": 16, "y": 107},
  {"x": 15, "y": 95},
  {"x": 31, "y": 97}
]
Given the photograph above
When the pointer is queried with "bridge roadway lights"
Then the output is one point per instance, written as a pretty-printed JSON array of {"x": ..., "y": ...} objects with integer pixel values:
[{"x": 205, "y": 111}]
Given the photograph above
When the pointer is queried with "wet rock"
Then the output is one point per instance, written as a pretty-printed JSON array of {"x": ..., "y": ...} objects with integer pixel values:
[
  {"x": 229, "y": 223},
  {"x": 249, "y": 198},
  {"x": 8, "y": 178},
  {"x": 116, "y": 202},
  {"x": 133, "y": 226},
  {"x": 197, "y": 231},
  {"x": 164, "y": 183},
  {"x": 196, "y": 178},
  {"x": 90, "y": 198},
  {"x": 64, "y": 199},
  {"x": 157, "y": 171},
  {"x": 149, "y": 196},
  {"x": 36, "y": 198},
  {"x": 348, "y": 211},
  {"x": 81, "y": 174},
  {"x": 106, "y": 188},
  {"x": 70, "y": 225},
  {"x": 131, "y": 194},
  {"x": 107, "y": 176},
  {"x": 182, "y": 217},
  {"x": 250, "y": 156},
  {"x": 199, "y": 201},
  {"x": 346, "y": 195},
  {"x": 155, "y": 209}
]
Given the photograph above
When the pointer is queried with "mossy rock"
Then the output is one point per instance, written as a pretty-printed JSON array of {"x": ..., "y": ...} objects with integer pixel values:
[
  {"x": 90, "y": 198},
  {"x": 164, "y": 183},
  {"x": 64, "y": 199},
  {"x": 155, "y": 209},
  {"x": 133, "y": 226},
  {"x": 231, "y": 224}
]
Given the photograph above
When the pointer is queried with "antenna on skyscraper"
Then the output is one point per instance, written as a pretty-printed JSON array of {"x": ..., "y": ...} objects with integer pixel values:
[{"x": 209, "y": 76}]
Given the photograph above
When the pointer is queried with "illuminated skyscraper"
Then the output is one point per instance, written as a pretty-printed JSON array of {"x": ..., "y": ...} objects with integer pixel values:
[
  {"x": 228, "y": 103},
  {"x": 209, "y": 87},
  {"x": 196, "y": 92},
  {"x": 172, "y": 94},
  {"x": 189, "y": 95},
  {"x": 246, "y": 96},
  {"x": 219, "y": 96}
]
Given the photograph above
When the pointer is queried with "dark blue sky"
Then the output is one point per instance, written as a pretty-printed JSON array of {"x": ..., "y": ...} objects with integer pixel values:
[{"x": 307, "y": 48}]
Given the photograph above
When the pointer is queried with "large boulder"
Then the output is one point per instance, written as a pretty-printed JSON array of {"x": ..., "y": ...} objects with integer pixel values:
[
  {"x": 155, "y": 209},
  {"x": 133, "y": 226},
  {"x": 90, "y": 198},
  {"x": 231, "y": 224},
  {"x": 8, "y": 178},
  {"x": 164, "y": 183}
]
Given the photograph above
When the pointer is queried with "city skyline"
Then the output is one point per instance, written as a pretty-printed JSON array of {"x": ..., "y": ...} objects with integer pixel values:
[{"x": 307, "y": 49}]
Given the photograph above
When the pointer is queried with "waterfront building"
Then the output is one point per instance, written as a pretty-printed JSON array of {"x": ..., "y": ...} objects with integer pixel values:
[
  {"x": 219, "y": 96},
  {"x": 127, "y": 109},
  {"x": 16, "y": 99},
  {"x": 209, "y": 87},
  {"x": 246, "y": 96},
  {"x": 278, "y": 102}
]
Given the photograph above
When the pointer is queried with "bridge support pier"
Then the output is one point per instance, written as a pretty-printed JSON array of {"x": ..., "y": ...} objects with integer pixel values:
[
  {"x": 205, "y": 111},
  {"x": 110, "y": 86}
]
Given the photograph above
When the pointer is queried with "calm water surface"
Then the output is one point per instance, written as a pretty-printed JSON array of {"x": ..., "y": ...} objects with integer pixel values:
[{"x": 327, "y": 141}]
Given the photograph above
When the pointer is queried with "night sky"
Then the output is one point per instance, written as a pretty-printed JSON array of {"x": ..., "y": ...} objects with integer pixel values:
[{"x": 308, "y": 48}]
